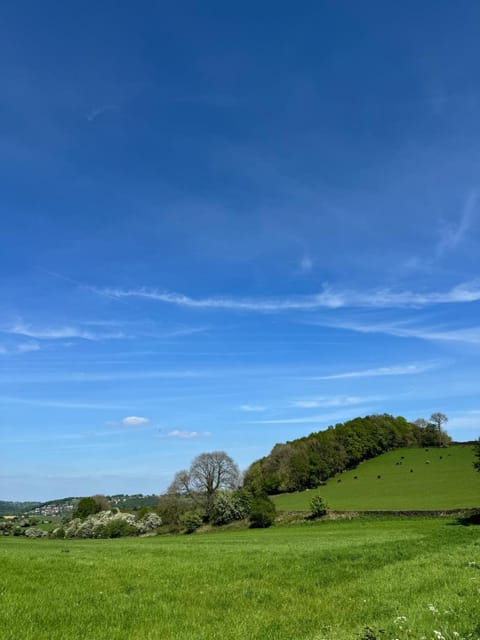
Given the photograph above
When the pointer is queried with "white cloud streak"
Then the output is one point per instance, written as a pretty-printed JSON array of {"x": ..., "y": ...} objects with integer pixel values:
[
  {"x": 181, "y": 434},
  {"x": 98, "y": 111},
  {"x": 109, "y": 376},
  {"x": 452, "y": 236},
  {"x": 328, "y": 298},
  {"x": 59, "y": 333},
  {"x": 468, "y": 335},
  {"x": 332, "y": 401},
  {"x": 135, "y": 421},
  {"x": 392, "y": 370},
  {"x": 306, "y": 264},
  {"x": 252, "y": 407},
  {"x": 324, "y": 419},
  {"x": 21, "y": 347},
  {"x": 27, "y": 347},
  {"x": 59, "y": 404},
  {"x": 469, "y": 421}
]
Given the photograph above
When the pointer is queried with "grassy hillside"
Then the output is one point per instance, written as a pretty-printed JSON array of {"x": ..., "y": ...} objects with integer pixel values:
[
  {"x": 441, "y": 479},
  {"x": 317, "y": 581}
]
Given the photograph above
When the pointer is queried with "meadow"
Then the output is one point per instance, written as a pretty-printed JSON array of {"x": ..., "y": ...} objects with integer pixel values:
[
  {"x": 410, "y": 479},
  {"x": 319, "y": 580}
]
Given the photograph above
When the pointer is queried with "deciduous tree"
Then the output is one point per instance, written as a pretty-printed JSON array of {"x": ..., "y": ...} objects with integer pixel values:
[
  {"x": 476, "y": 447},
  {"x": 208, "y": 473}
]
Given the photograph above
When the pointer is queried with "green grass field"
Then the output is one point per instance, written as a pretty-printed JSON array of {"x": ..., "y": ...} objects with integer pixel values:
[
  {"x": 321, "y": 580},
  {"x": 448, "y": 481}
]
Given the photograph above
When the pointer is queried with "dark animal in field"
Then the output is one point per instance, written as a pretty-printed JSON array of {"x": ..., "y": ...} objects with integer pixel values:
[
  {"x": 378, "y": 477},
  {"x": 411, "y": 470}
]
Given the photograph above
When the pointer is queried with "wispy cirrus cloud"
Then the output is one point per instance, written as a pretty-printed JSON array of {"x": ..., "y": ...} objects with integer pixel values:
[
  {"x": 328, "y": 298},
  {"x": 323, "y": 402},
  {"x": 21, "y": 347},
  {"x": 413, "y": 368},
  {"x": 324, "y": 419},
  {"x": 93, "y": 114},
  {"x": 469, "y": 421},
  {"x": 106, "y": 376},
  {"x": 453, "y": 234},
  {"x": 135, "y": 421},
  {"x": 252, "y": 407},
  {"x": 306, "y": 264},
  {"x": 468, "y": 335},
  {"x": 58, "y": 404},
  {"x": 59, "y": 332},
  {"x": 181, "y": 434},
  {"x": 27, "y": 347}
]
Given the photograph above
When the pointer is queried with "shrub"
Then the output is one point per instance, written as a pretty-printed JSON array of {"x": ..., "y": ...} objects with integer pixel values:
[
  {"x": 143, "y": 511},
  {"x": 116, "y": 528},
  {"x": 318, "y": 506},
  {"x": 262, "y": 514},
  {"x": 173, "y": 507},
  {"x": 71, "y": 528},
  {"x": 109, "y": 524},
  {"x": 6, "y": 528},
  {"x": 149, "y": 522},
  {"x": 59, "y": 532},
  {"x": 33, "y": 532},
  {"x": 229, "y": 507},
  {"x": 106, "y": 524},
  {"x": 191, "y": 521}
]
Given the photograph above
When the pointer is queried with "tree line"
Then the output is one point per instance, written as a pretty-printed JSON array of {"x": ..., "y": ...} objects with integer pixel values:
[{"x": 308, "y": 462}]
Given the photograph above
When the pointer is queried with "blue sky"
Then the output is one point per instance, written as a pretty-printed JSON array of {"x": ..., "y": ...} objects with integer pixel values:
[{"x": 224, "y": 227}]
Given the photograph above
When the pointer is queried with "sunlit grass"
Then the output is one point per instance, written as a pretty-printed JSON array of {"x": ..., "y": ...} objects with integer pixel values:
[
  {"x": 319, "y": 580},
  {"x": 433, "y": 479}
]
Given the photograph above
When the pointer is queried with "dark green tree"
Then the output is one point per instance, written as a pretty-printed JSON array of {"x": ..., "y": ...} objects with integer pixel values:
[
  {"x": 476, "y": 448},
  {"x": 86, "y": 507},
  {"x": 262, "y": 514}
]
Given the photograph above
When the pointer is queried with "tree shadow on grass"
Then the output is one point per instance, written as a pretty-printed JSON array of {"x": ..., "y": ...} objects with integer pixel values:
[{"x": 469, "y": 520}]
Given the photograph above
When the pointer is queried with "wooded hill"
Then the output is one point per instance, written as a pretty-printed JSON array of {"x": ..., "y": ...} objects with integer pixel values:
[
  {"x": 308, "y": 462},
  {"x": 8, "y": 507}
]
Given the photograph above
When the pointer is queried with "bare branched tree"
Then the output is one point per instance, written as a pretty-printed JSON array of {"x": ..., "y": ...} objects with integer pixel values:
[
  {"x": 208, "y": 473},
  {"x": 438, "y": 420}
]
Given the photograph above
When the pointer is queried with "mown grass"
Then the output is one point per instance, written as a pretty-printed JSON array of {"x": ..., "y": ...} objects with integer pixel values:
[
  {"x": 317, "y": 580},
  {"x": 441, "y": 479}
]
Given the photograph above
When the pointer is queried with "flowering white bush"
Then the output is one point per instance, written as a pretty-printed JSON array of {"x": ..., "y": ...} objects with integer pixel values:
[
  {"x": 111, "y": 524},
  {"x": 148, "y": 523},
  {"x": 33, "y": 532}
]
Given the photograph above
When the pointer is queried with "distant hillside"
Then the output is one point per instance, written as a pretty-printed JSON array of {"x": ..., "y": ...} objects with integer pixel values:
[
  {"x": 65, "y": 506},
  {"x": 306, "y": 463},
  {"x": 8, "y": 508},
  {"x": 410, "y": 479}
]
